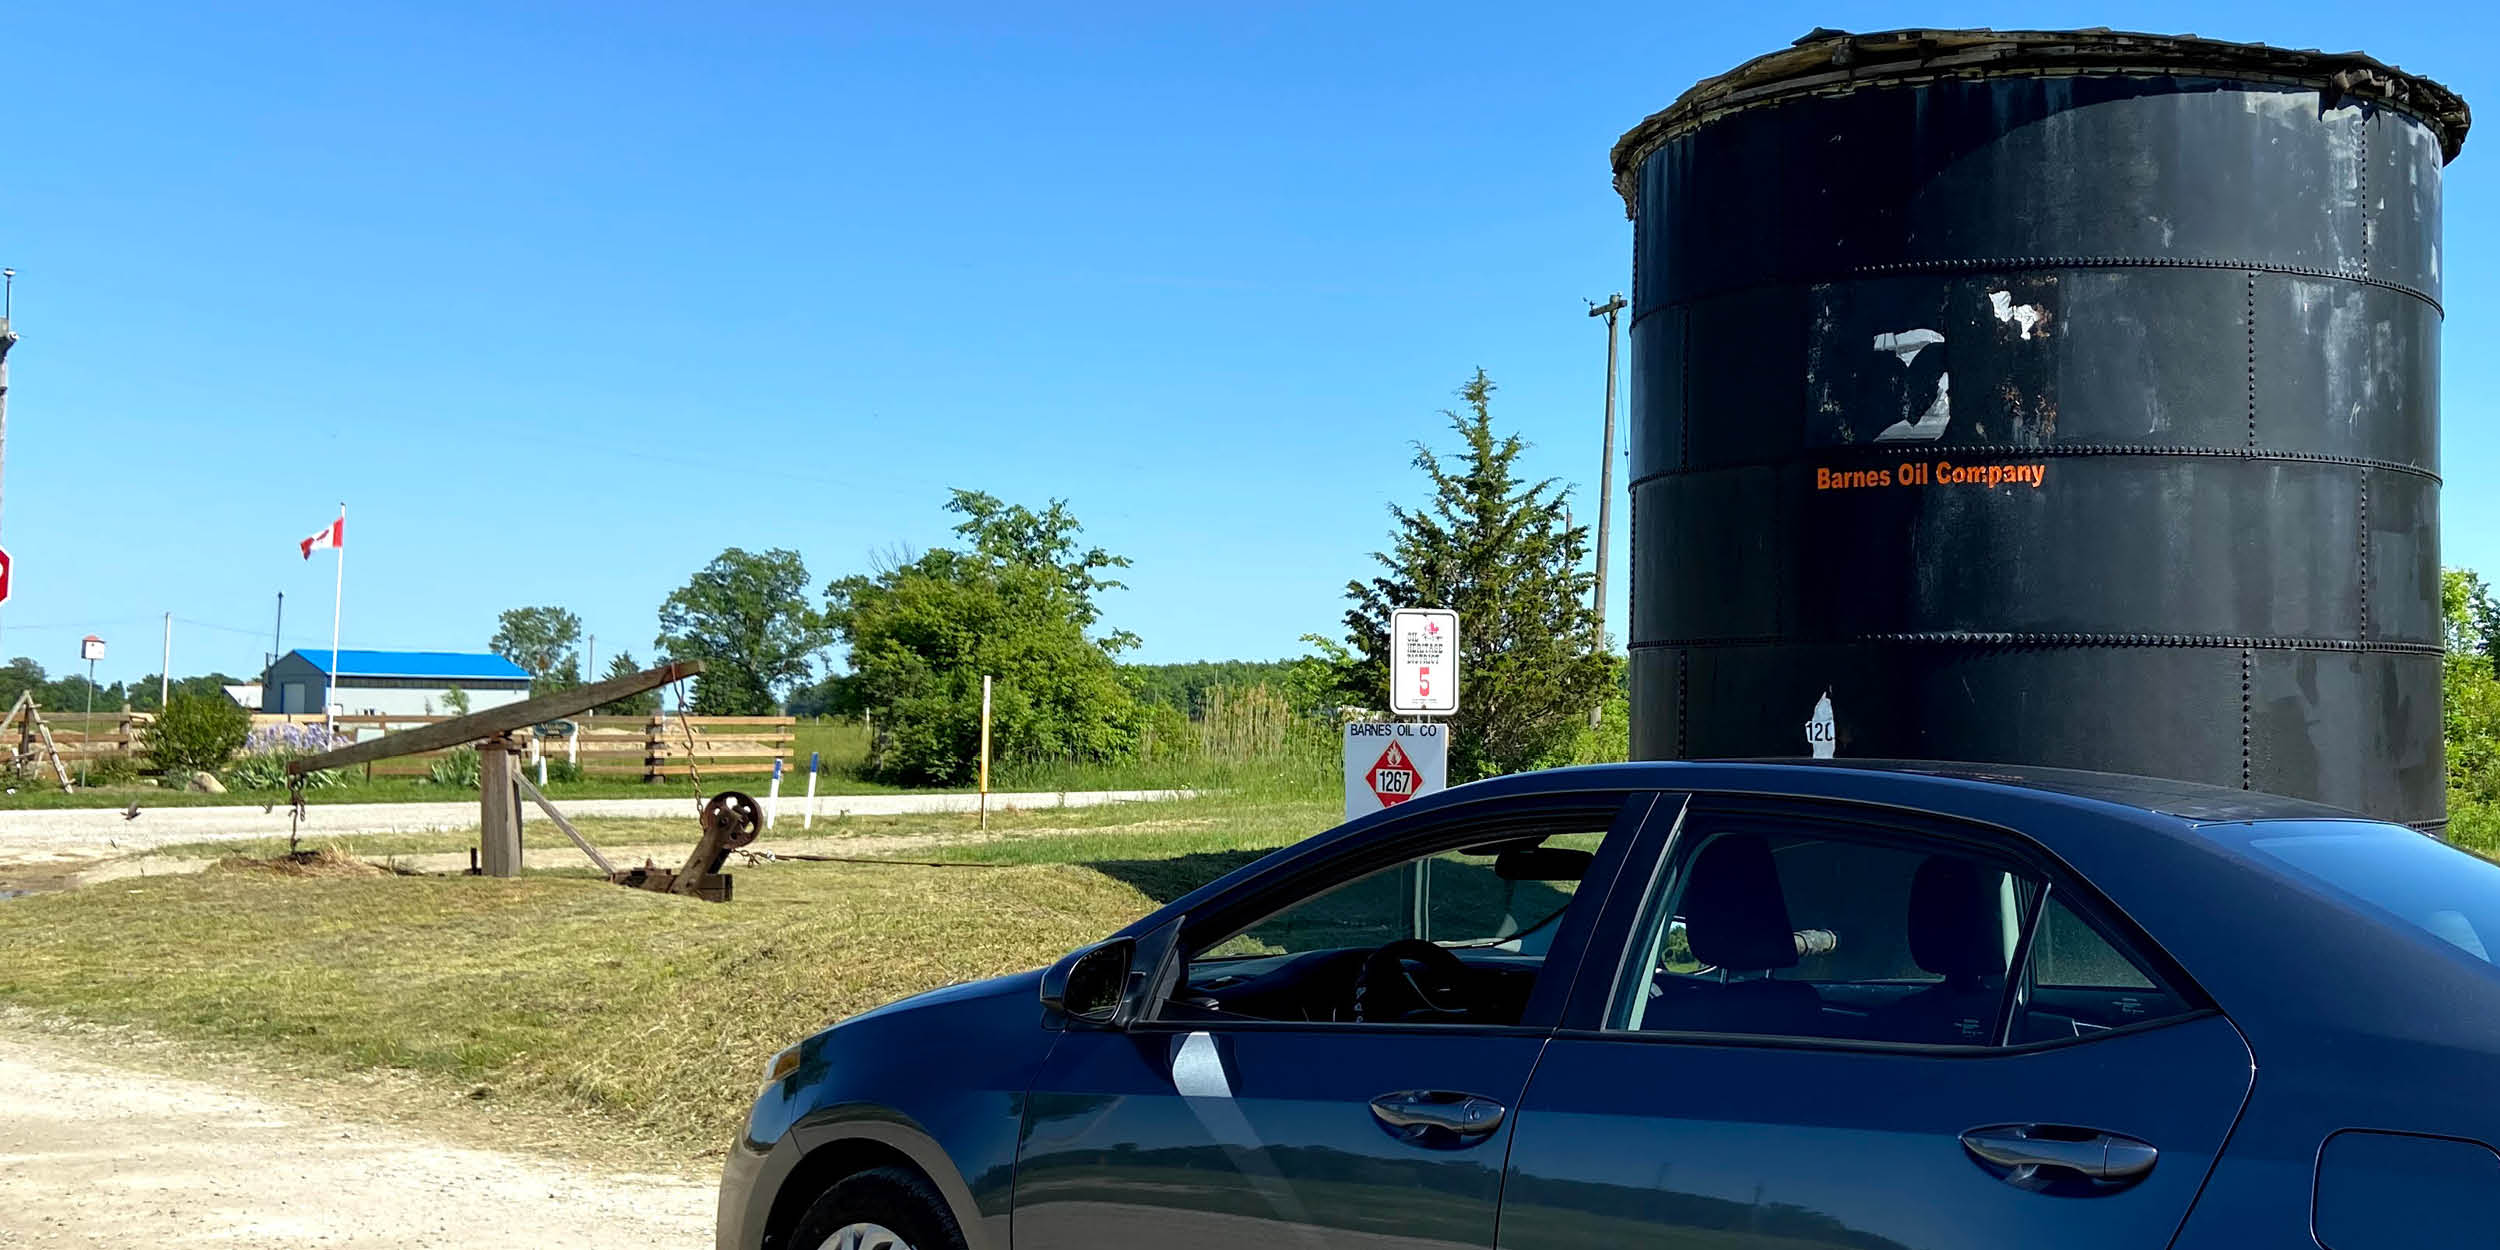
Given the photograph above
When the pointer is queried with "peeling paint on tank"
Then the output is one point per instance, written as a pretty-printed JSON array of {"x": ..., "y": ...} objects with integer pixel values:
[
  {"x": 2027, "y": 316},
  {"x": 1907, "y": 344}
]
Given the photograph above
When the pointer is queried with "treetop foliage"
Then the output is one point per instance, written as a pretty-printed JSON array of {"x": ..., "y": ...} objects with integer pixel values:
[
  {"x": 542, "y": 640},
  {"x": 748, "y": 616}
]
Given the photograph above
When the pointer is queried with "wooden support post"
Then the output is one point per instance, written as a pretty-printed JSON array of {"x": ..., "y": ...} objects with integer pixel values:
[
  {"x": 498, "y": 808},
  {"x": 985, "y": 752}
]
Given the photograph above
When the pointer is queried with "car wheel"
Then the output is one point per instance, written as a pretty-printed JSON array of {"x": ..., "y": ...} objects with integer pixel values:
[{"x": 880, "y": 1209}]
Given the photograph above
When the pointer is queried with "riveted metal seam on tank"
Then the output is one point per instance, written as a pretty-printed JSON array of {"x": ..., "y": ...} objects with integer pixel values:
[
  {"x": 1977, "y": 638},
  {"x": 2248, "y": 663},
  {"x": 2011, "y": 265},
  {"x": 1936, "y": 450},
  {"x": 2364, "y": 530}
]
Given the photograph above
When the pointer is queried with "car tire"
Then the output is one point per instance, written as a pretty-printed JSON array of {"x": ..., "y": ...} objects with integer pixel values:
[{"x": 890, "y": 1200}]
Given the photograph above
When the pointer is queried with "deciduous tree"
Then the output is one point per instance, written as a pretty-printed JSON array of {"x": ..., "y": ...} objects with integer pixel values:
[
  {"x": 1015, "y": 603},
  {"x": 747, "y": 616},
  {"x": 543, "y": 640}
]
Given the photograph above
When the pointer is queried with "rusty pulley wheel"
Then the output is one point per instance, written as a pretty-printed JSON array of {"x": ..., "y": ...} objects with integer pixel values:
[{"x": 734, "y": 817}]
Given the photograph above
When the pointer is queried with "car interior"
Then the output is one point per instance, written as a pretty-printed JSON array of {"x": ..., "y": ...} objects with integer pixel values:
[
  {"x": 1769, "y": 932},
  {"x": 1774, "y": 934},
  {"x": 1451, "y": 938}
]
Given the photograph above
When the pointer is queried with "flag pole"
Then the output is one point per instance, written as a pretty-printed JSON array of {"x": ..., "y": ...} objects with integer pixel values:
[{"x": 338, "y": 597}]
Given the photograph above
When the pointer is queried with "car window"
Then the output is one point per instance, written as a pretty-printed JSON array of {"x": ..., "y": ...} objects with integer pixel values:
[
  {"x": 1457, "y": 936},
  {"x": 1799, "y": 929},
  {"x": 2434, "y": 887},
  {"x": 2081, "y": 981},
  {"x": 1800, "y": 934}
]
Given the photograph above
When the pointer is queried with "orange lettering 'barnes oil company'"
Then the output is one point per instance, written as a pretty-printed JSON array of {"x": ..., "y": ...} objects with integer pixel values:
[{"x": 1941, "y": 473}]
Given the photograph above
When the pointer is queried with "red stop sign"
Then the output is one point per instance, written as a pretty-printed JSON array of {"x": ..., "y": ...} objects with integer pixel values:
[
  {"x": 4, "y": 575},
  {"x": 1394, "y": 779}
]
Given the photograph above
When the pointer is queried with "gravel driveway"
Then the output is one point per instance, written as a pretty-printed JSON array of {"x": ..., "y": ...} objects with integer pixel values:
[
  {"x": 89, "y": 832},
  {"x": 97, "y": 1155}
]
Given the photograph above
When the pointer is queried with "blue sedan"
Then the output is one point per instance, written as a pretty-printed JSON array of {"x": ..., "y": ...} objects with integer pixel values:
[{"x": 1876, "y": 1006}]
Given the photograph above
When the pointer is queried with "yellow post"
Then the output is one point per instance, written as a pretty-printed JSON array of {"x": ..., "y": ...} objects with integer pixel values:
[{"x": 985, "y": 752}]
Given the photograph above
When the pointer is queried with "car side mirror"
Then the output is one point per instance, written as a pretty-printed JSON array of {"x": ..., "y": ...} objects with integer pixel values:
[{"x": 1091, "y": 986}]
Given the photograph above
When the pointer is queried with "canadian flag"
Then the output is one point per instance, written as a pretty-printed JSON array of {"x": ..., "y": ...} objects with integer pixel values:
[{"x": 332, "y": 535}]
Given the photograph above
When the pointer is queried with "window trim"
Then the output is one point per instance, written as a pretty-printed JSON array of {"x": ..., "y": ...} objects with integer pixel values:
[
  {"x": 1394, "y": 843},
  {"x": 1888, "y": 822}
]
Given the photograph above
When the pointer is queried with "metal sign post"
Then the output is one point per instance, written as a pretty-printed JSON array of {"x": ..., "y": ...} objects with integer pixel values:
[
  {"x": 1423, "y": 662},
  {"x": 91, "y": 649}
]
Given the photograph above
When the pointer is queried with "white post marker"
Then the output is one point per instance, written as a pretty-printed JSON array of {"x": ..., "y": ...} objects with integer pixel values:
[
  {"x": 1423, "y": 661},
  {"x": 772, "y": 797},
  {"x": 542, "y": 767},
  {"x": 808, "y": 821},
  {"x": 1388, "y": 763}
]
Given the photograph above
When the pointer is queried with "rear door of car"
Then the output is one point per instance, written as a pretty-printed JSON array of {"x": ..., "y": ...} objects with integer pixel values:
[{"x": 1967, "y": 1048}]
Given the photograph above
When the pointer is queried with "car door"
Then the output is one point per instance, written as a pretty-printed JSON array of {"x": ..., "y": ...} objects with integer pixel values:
[
  {"x": 1253, "y": 1108},
  {"x": 1824, "y": 1026}
]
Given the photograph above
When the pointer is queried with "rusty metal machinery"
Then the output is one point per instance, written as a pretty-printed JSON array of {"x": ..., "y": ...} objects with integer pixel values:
[{"x": 731, "y": 820}]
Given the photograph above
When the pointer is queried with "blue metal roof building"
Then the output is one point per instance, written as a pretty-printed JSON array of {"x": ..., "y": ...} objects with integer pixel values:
[{"x": 391, "y": 683}]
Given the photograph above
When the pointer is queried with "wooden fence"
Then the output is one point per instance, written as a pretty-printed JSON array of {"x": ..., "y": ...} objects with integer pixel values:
[{"x": 650, "y": 747}]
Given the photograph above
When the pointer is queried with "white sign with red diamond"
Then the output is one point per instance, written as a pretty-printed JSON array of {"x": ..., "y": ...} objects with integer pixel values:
[{"x": 1387, "y": 764}]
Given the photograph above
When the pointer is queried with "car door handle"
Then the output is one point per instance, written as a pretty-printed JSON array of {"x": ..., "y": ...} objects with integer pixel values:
[
  {"x": 2106, "y": 1160},
  {"x": 1433, "y": 1117}
]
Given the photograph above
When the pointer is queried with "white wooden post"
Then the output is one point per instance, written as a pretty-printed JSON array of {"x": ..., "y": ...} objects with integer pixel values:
[
  {"x": 772, "y": 797},
  {"x": 809, "y": 820}
]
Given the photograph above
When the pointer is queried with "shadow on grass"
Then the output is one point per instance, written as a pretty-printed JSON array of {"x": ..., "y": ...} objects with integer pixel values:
[{"x": 1166, "y": 879}]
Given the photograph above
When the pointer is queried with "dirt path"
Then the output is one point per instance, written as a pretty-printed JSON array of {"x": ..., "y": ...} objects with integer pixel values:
[
  {"x": 87, "y": 833},
  {"x": 97, "y": 1155}
]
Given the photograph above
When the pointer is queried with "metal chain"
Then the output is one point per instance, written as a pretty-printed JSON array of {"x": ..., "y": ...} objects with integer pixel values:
[{"x": 694, "y": 765}]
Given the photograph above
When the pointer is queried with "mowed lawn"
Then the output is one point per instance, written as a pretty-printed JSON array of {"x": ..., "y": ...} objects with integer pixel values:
[{"x": 626, "y": 1011}]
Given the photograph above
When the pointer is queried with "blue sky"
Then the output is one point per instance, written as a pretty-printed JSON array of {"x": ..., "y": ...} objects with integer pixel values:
[{"x": 563, "y": 299}]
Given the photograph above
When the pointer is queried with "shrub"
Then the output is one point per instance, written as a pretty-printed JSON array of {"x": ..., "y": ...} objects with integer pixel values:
[
  {"x": 196, "y": 733},
  {"x": 562, "y": 770},
  {"x": 269, "y": 748},
  {"x": 267, "y": 771},
  {"x": 116, "y": 768},
  {"x": 455, "y": 767}
]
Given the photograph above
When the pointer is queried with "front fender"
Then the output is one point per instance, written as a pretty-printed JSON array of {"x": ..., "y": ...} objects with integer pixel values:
[{"x": 939, "y": 1080}]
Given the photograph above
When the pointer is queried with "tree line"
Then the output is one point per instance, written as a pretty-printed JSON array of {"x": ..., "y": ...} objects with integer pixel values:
[{"x": 1018, "y": 596}]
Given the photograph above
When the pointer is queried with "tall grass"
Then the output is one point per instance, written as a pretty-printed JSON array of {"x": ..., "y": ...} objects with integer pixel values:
[{"x": 1249, "y": 742}]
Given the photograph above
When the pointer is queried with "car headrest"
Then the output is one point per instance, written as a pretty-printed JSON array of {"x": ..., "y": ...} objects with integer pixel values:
[
  {"x": 1953, "y": 922},
  {"x": 1734, "y": 914}
]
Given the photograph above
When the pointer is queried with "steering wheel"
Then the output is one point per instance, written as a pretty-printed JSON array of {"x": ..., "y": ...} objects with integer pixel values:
[{"x": 1412, "y": 979}]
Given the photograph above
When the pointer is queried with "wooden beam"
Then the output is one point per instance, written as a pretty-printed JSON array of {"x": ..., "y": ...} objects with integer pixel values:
[
  {"x": 531, "y": 793},
  {"x": 479, "y": 726}
]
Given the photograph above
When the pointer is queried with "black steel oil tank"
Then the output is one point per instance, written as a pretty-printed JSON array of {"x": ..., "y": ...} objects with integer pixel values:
[{"x": 2064, "y": 398}]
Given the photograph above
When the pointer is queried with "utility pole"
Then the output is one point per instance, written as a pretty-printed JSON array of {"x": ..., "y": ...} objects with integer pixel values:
[
  {"x": 1605, "y": 473},
  {"x": 165, "y": 673},
  {"x": 277, "y": 645},
  {"x": 8, "y": 339}
]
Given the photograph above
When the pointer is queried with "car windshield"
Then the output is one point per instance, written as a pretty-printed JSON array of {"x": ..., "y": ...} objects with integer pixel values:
[{"x": 2428, "y": 884}]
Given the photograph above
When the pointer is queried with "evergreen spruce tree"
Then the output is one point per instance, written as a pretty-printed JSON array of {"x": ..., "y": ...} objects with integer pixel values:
[{"x": 1506, "y": 557}]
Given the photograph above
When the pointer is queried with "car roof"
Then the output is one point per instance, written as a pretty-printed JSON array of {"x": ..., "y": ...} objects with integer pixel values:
[{"x": 2185, "y": 801}]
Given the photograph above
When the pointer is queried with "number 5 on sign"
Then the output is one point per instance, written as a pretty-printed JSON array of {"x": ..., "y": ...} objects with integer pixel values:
[{"x": 1423, "y": 662}]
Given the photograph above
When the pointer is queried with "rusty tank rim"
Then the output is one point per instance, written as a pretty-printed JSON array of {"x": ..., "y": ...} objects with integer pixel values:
[{"x": 1832, "y": 61}]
